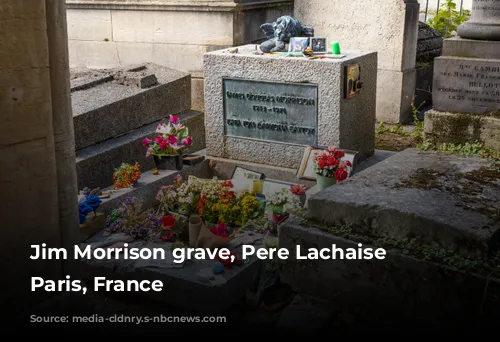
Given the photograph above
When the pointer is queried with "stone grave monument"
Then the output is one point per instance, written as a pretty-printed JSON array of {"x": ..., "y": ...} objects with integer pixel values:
[
  {"x": 265, "y": 108},
  {"x": 466, "y": 91}
]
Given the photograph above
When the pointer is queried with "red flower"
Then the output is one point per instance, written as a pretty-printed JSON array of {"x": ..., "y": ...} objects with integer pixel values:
[
  {"x": 227, "y": 184},
  {"x": 213, "y": 230},
  {"x": 168, "y": 221},
  {"x": 298, "y": 189},
  {"x": 158, "y": 139},
  {"x": 221, "y": 228},
  {"x": 146, "y": 142},
  {"x": 174, "y": 119},
  {"x": 341, "y": 174},
  {"x": 339, "y": 154},
  {"x": 163, "y": 145},
  {"x": 227, "y": 262},
  {"x": 172, "y": 139}
]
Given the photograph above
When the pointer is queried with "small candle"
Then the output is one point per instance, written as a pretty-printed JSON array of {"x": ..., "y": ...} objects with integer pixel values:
[
  {"x": 257, "y": 186},
  {"x": 336, "y": 48}
]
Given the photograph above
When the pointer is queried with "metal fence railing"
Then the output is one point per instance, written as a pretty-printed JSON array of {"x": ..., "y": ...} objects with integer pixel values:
[{"x": 430, "y": 8}]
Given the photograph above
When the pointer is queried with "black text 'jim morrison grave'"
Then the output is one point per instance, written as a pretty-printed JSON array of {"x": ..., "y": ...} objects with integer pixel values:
[{"x": 265, "y": 109}]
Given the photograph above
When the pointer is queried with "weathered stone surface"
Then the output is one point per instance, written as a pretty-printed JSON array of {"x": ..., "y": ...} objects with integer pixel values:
[
  {"x": 437, "y": 199},
  {"x": 459, "y": 47},
  {"x": 467, "y": 85},
  {"x": 95, "y": 164},
  {"x": 397, "y": 288},
  {"x": 457, "y": 128},
  {"x": 108, "y": 103},
  {"x": 345, "y": 123},
  {"x": 484, "y": 23}
]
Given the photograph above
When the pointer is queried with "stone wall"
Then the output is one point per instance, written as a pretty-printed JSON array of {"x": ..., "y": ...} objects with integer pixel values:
[
  {"x": 36, "y": 145},
  {"x": 389, "y": 27},
  {"x": 174, "y": 33}
]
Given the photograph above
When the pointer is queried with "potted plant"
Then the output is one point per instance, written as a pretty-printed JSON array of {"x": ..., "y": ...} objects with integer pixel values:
[
  {"x": 330, "y": 168},
  {"x": 281, "y": 203},
  {"x": 126, "y": 175},
  {"x": 166, "y": 147}
]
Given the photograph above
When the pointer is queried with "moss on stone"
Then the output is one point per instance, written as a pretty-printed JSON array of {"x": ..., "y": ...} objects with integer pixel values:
[{"x": 466, "y": 188}]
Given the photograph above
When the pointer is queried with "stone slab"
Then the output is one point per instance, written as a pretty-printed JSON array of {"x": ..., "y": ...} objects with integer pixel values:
[
  {"x": 458, "y": 128},
  {"x": 437, "y": 199},
  {"x": 459, "y": 47},
  {"x": 466, "y": 85},
  {"x": 348, "y": 124},
  {"x": 397, "y": 288},
  {"x": 183, "y": 287},
  {"x": 95, "y": 164},
  {"x": 104, "y": 108}
]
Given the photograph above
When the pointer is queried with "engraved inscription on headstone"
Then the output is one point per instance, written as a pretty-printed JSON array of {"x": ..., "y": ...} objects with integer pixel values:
[
  {"x": 466, "y": 85},
  {"x": 279, "y": 112}
]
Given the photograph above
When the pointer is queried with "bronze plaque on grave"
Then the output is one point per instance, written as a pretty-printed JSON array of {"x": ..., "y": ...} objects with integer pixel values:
[{"x": 271, "y": 111}]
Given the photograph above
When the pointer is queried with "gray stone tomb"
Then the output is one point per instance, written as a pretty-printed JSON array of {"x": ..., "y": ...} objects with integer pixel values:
[{"x": 265, "y": 109}]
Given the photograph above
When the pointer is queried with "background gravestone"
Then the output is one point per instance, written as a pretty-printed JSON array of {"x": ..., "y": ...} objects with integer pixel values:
[{"x": 466, "y": 90}]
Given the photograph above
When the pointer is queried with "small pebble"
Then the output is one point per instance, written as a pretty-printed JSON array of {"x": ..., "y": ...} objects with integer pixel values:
[{"x": 218, "y": 268}]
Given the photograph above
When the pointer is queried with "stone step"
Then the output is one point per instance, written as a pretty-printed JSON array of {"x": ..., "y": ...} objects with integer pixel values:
[
  {"x": 108, "y": 103},
  {"x": 436, "y": 199},
  {"x": 395, "y": 289},
  {"x": 95, "y": 164}
]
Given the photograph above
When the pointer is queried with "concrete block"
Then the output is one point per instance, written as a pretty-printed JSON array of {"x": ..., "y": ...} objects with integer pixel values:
[
  {"x": 398, "y": 288},
  {"x": 169, "y": 27},
  {"x": 459, "y": 47},
  {"x": 466, "y": 85},
  {"x": 458, "y": 128},
  {"x": 436, "y": 199},
  {"x": 110, "y": 109},
  {"x": 348, "y": 124},
  {"x": 90, "y": 25}
]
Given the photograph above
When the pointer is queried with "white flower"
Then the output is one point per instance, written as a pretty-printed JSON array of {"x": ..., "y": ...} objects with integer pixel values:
[{"x": 163, "y": 128}]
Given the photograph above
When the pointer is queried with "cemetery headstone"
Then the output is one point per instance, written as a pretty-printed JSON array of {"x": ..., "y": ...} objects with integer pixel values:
[{"x": 466, "y": 90}]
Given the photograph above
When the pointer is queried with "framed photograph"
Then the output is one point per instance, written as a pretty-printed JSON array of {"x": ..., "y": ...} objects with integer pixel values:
[
  {"x": 306, "y": 169},
  {"x": 318, "y": 45},
  {"x": 273, "y": 185},
  {"x": 352, "y": 81},
  {"x": 242, "y": 178},
  {"x": 298, "y": 44}
]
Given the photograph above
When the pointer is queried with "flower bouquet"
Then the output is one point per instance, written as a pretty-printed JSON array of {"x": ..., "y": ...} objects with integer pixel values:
[
  {"x": 281, "y": 203},
  {"x": 126, "y": 175},
  {"x": 129, "y": 219},
  {"x": 166, "y": 147},
  {"x": 330, "y": 168}
]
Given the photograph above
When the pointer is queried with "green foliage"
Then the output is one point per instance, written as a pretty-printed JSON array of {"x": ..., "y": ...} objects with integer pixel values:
[
  {"x": 466, "y": 150},
  {"x": 418, "y": 131},
  {"x": 448, "y": 19},
  {"x": 398, "y": 129}
]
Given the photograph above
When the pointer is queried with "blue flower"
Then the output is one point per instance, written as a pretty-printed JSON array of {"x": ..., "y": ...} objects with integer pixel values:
[
  {"x": 93, "y": 201},
  {"x": 84, "y": 210}
]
